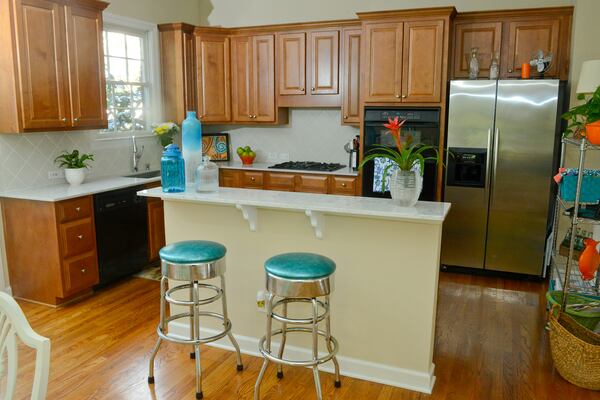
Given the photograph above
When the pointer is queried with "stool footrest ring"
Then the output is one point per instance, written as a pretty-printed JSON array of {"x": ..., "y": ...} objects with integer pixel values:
[
  {"x": 188, "y": 286},
  {"x": 298, "y": 363},
  {"x": 170, "y": 338},
  {"x": 299, "y": 321}
]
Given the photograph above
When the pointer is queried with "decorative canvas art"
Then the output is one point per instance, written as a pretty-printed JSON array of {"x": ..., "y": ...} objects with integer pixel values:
[{"x": 216, "y": 146}]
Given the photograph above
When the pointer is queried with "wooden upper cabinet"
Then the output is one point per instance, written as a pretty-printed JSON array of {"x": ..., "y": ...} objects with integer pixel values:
[
  {"x": 292, "y": 63},
  {"x": 52, "y": 65},
  {"x": 525, "y": 38},
  {"x": 214, "y": 102},
  {"x": 178, "y": 70},
  {"x": 351, "y": 54},
  {"x": 241, "y": 78},
  {"x": 324, "y": 62},
  {"x": 253, "y": 78},
  {"x": 422, "y": 61},
  {"x": 383, "y": 60},
  {"x": 41, "y": 43},
  {"x": 263, "y": 68},
  {"x": 485, "y": 36},
  {"x": 86, "y": 64}
]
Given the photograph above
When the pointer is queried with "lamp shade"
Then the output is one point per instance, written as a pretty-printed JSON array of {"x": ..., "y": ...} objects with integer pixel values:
[{"x": 589, "y": 78}]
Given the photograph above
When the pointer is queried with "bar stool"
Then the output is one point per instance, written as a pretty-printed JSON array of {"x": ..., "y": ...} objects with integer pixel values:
[
  {"x": 192, "y": 261},
  {"x": 299, "y": 278}
]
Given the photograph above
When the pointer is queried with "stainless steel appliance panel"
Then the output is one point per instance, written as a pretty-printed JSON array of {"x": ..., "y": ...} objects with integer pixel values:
[
  {"x": 470, "y": 125},
  {"x": 523, "y": 152}
]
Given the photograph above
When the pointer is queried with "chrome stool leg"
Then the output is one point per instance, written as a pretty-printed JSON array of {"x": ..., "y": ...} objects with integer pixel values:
[
  {"x": 261, "y": 374},
  {"x": 338, "y": 382},
  {"x": 315, "y": 338},
  {"x": 226, "y": 321},
  {"x": 196, "y": 332},
  {"x": 192, "y": 353},
  {"x": 162, "y": 324},
  {"x": 283, "y": 339}
]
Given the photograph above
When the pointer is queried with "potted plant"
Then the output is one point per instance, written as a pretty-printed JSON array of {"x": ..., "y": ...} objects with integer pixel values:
[
  {"x": 584, "y": 119},
  {"x": 407, "y": 163},
  {"x": 74, "y": 164},
  {"x": 165, "y": 132}
]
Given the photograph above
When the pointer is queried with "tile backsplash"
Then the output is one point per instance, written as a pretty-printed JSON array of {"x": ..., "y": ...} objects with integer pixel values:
[
  {"x": 311, "y": 135},
  {"x": 26, "y": 159}
]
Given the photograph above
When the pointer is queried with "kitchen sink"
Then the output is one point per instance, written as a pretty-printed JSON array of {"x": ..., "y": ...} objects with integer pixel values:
[{"x": 144, "y": 175}]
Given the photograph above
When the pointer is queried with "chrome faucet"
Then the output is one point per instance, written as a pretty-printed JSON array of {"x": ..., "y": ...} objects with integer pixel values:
[{"x": 136, "y": 154}]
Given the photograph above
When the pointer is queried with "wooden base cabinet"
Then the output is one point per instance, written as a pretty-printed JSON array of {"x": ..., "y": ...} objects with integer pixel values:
[
  {"x": 60, "y": 266},
  {"x": 156, "y": 225},
  {"x": 52, "y": 65},
  {"x": 290, "y": 182}
]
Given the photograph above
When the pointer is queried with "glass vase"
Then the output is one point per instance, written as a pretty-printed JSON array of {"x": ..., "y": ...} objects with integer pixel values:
[
  {"x": 405, "y": 187},
  {"x": 172, "y": 170},
  {"x": 191, "y": 138},
  {"x": 207, "y": 176}
]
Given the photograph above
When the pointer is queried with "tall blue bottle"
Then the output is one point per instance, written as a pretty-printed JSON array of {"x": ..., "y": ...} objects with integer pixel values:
[
  {"x": 172, "y": 169},
  {"x": 192, "y": 145}
]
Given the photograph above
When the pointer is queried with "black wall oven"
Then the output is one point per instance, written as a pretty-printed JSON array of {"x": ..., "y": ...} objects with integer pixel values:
[{"x": 422, "y": 126}]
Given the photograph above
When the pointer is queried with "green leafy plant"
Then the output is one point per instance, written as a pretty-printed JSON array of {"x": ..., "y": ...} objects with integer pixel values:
[
  {"x": 582, "y": 114},
  {"x": 73, "y": 160},
  {"x": 404, "y": 156}
]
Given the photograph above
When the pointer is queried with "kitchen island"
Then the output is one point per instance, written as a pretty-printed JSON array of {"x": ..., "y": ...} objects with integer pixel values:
[{"x": 386, "y": 282}]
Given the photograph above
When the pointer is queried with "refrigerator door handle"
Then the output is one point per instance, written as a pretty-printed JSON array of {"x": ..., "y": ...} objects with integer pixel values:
[
  {"x": 488, "y": 172},
  {"x": 494, "y": 163}
]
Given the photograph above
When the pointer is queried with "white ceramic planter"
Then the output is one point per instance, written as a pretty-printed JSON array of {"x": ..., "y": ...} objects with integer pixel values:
[
  {"x": 75, "y": 176},
  {"x": 405, "y": 187}
]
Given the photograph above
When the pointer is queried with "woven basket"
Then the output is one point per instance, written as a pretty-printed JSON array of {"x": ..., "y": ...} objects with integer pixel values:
[{"x": 575, "y": 350}]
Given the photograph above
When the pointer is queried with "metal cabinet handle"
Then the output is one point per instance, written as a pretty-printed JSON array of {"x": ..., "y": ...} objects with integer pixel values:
[
  {"x": 249, "y": 116},
  {"x": 64, "y": 119},
  {"x": 403, "y": 96},
  {"x": 76, "y": 119},
  {"x": 252, "y": 179},
  {"x": 510, "y": 70},
  {"x": 344, "y": 184},
  {"x": 302, "y": 89},
  {"x": 78, "y": 209},
  {"x": 313, "y": 89},
  {"x": 83, "y": 270},
  {"x": 345, "y": 116},
  {"x": 79, "y": 237},
  {"x": 397, "y": 96}
]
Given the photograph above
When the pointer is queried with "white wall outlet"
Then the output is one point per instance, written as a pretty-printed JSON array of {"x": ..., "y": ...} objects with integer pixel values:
[
  {"x": 284, "y": 156},
  {"x": 57, "y": 174},
  {"x": 260, "y": 300},
  {"x": 272, "y": 157}
]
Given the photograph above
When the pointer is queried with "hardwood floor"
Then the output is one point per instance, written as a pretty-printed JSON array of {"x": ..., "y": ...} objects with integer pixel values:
[{"x": 491, "y": 344}]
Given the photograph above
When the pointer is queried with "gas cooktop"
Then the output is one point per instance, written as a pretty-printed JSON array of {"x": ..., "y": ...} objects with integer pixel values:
[{"x": 309, "y": 166}]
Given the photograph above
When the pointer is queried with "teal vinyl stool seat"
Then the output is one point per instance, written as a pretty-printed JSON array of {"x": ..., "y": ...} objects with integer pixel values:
[
  {"x": 192, "y": 261},
  {"x": 299, "y": 278}
]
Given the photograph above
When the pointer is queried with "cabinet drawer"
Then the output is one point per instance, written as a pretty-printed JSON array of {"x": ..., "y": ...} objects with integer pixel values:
[
  {"x": 77, "y": 237},
  {"x": 80, "y": 273},
  {"x": 228, "y": 178},
  {"x": 280, "y": 181},
  {"x": 311, "y": 183},
  {"x": 343, "y": 185},
  {"x": 73, "y": 209},
  {"x": 252, "y": 180}
]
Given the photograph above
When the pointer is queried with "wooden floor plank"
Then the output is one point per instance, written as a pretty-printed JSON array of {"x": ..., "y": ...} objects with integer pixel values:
[{"x": 490, "y": 344}]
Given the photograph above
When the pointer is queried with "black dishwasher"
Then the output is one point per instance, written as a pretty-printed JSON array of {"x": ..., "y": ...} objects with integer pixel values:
[{"x": 121, "y": 233}]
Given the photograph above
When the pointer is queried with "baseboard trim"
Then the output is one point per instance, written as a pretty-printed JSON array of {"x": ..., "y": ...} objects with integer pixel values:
[{"x": 351, "y": 367}]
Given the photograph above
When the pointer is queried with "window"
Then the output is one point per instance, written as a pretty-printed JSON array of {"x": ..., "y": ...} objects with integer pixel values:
[{"x": 128, "y": 86}]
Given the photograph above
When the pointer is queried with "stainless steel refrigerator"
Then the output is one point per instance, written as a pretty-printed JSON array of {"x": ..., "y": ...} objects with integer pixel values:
[{"x": 504, "y": 137}]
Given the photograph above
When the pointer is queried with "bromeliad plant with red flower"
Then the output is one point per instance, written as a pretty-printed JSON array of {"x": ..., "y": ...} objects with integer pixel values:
[{"x": 405, "y": 157}]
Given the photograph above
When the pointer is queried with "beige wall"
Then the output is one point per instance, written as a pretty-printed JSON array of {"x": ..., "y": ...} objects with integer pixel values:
[{"x": 161, "y": 11}]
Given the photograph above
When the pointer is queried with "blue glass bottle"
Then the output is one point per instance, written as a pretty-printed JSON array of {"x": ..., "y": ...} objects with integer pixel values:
[
  {"x": 191, "y": 138},
  {"x": 172, "y": 170}
]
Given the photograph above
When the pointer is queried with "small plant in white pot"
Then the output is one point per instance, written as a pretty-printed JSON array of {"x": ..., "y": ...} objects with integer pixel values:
[{"x": 75, "y": 165}]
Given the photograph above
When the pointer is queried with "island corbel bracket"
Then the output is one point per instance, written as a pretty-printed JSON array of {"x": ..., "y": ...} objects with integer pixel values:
[
  {"x": 250, "y": 214},
  {"x": 317, "y": 220}
]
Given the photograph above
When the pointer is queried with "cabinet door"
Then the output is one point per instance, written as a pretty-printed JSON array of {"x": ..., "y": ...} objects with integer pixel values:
[
  {"x": 42, "y": 53},
  {"x": 351, "y": 76},
  {"x": 229, "y": 178},
  {"x": 241, "y": 78},
  {"x": 156, "y": 228},
  {"x": 526, "y": 38},
  {"x": 263, "y": 64},
  {"x": 343, "y": 185},
  {"x": 325, "y": 63},
  {"x": 485, "y": 36},
  {"x": 252, "y": 180},
  {"x": 189, "y": 72},
  {"x": 311, "y": 183},
  {"x": 280, "y": 181},
  {"x": 422, "y": 62},
  {"x": 292, "y": 63},
  {"x": 214, "y": 104},
  {"x": 86, "y": 66},
  {"x": 383, "y": 62}
]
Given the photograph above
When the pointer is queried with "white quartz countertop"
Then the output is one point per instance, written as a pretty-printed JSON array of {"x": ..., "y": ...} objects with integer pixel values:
[
  {"x": 265, "y": 167},
  {"x": 423, "y": 212},
  {"x": 65, "y": 191}
]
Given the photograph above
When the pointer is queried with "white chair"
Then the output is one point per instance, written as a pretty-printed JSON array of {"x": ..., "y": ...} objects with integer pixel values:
[{"x": 13, "y": 324}]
